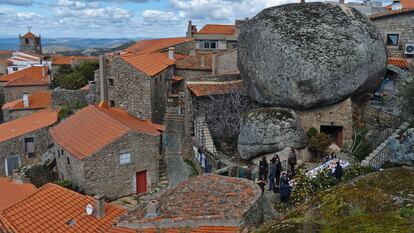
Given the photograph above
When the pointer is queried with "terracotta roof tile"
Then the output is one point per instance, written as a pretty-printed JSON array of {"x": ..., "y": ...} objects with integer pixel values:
[
  {"x": 52, "y": 206},
  {"x": 219, "y": 29},
  {"x": 399, "y": 62},
  {"x": 177, "y": 79},
  {"x": 6, "y": 52},
  {"x": 121, "y": 230},
  {"x": 391, "y": 13},
  {"x": 86, "y": 87},
  {"x": 150, "y": 46},
  {"x": 29, "y": 76},
  {"x": 203, "y": 197},
  {"x": 67, "y": 60},
  {"x": 29, "y": 35},
  {"x": 200, "y": 229},
  {"x": 151, "y": 63},
  {"x": 214, "y": 88},
  {"x": 92, "y": 128},
  {"x": 27, "y": 124},
  {"x": 38, "y": 100},
  {"x": 195, "y": 61},
  {"x": 12, "y": 192}
]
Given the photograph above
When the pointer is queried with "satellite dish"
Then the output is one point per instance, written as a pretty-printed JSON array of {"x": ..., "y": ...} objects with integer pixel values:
[{"x": 89, "y": 209}]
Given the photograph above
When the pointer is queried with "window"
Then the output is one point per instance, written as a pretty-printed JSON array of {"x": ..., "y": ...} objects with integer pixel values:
[
  {"x": 208, "y": 44},
  {"x": 156, "y": 81},
  {"x": 68, "y": 160},
  {"x": 29, "y": 147},
  {"x": 111, "y": 82},
  {"x": 12, "y": 163},
  {"x": 112, "y": 104},
  {"x": 392, "y": 39},
  {"x": 62, "y": 152},
  {"x": 26, "y": 41},
  {"x": 15, "y": 69},
  {"x": 125, "y": 159}
]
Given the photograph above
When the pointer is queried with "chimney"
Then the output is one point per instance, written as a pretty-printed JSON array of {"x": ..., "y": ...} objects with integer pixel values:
[
  {"x": 189, "y": 29},
  {"x": 341, "y": 1},
  {"x": 214, "y": 64},
  {"x": 103, "y": 80},
  {"x": 99, "y": 208},
  {"x": 396, "y": 5},
  {"x": 72, "y": 61},
  {"x": 26, "y": 100},
  {"x": 171, "y": 53},
  {"x": 192, "y": 52},
  {"x": 153, "y": 209},
  {"x": 90, "y": 97},
  {"x": 302, "y": 1},
  {"x": 202, "y": 60}
]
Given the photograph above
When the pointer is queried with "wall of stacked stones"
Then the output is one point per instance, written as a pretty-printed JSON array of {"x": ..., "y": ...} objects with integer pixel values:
[
  {"x": 377, "y": 119},
  {"x": 15, "y": 146},
  {"x": 9, "y": 114},
  {"x": 192, "y": 72},
  {"x": 15, "y": 93},
  {"x": 227, "y": 63},
  {"x": 403, "y": 25},
  {"x": 254, "y": 216},
  {"x": 70, "y": 98}
]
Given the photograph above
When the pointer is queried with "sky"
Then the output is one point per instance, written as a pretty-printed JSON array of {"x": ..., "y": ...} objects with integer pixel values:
[{"x": 122, "y": 18}]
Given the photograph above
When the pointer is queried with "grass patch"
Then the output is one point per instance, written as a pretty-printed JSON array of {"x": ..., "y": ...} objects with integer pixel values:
[{"x": 407, "y": 212}]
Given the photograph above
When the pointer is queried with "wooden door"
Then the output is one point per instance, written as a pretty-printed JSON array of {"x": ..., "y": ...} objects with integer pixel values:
[{"x": 141, "y": 178}]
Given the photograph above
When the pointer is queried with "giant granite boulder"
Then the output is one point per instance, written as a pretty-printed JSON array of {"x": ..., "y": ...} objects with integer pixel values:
[
  {"x": 268, "y": 130},
  {"x": 310, "y": 55}
]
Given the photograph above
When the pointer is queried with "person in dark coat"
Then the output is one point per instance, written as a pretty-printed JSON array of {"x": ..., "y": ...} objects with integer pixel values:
[
  {"x": 278, "y": 170},
  {"x": 338, "y": 171},
  {"x": 262, "y": 183},
  {"x": 285, "y": 190},
  {"x": 292, "y": 160},
  {"x": 272, "y": 174}
]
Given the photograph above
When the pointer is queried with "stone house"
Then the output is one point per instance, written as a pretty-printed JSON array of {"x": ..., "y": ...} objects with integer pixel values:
[
  {"x": 206, "y": 203},
  {"x": 25, "y": 140},
  {"x": 53, "y": 208},
  {"x": 27, "y": 105},
  {"x": 140, "y": 79},
  {"x": 397, "y": 29},
  {"x": 215, "y": 37},
  {"x": 30, "y": 43},
  {"x": 27, "y": 81},
  {"x": 107, "y": 151}
]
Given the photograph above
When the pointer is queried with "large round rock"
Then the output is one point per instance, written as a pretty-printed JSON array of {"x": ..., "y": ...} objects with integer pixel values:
[
  {"x": 268, "y": 130},
  {"x": 310, "y": 55}
]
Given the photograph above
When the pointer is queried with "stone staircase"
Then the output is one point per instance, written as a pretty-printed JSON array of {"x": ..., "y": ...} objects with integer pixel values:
[
  {"x": 203, "y": 136},
  {"x": 163, "y": 179}
]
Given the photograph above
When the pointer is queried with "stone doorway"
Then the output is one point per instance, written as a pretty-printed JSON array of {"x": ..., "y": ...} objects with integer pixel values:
[{"x": 336, "y": 132}]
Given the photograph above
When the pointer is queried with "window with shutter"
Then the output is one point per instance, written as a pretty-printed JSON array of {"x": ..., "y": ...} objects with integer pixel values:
[{"x": 29, "y": 147}]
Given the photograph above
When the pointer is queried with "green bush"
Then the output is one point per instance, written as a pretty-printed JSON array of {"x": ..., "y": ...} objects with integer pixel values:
[
  {"x": 72, "y": 79},
  {"x": 320, "y": 143},
  {"x": 356, "y": 170},
  {"x": 68, "y": 184},
  {"x": 407, "y": 212},
  {"x": 69, "y": 109},
  {"x": 312, "y": 132}
]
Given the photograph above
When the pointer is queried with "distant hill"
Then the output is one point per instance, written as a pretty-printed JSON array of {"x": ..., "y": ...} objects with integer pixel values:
[{"x": 70, "y": 44}]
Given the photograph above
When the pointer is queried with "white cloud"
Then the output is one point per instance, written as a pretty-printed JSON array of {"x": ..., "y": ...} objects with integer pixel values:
[
  {"x": 160, "y": 17},
  {"x": 17, "y": 2}
]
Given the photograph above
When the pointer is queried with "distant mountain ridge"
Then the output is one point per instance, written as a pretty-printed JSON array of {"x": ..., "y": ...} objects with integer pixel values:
[{"x": 70, "y": 43}]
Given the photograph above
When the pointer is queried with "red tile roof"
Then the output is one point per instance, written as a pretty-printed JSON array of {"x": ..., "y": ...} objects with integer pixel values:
[
  {"x": 6, "y": 52},
  {"x": 399, "y": 62},
  {"x": 176, "y": 79},
  {"x": 390, "y": 13},
  {"x": 218, "y": 29},
  {"x": 214, "y": 88},
  {"x": 212, "y": 197},
  {"x": 405, "y": 4},
  {"x": 151, "y": 64},
  {"x": 84, "y": 88},
  {"x": 67, "y": 60},
  {"x": 29, "y": 35},
  {"x": 150, "y": 46},
  {"x": 52, "y": 207},
  {"x": 195, "y": 62},
  {"x": 93, "y": 128},
  {"x": 12, "y": 192},
  {"x": 27, "y": 77},
  {"x": 38, "y": 100},
  {"x": 27, "y": 124}
]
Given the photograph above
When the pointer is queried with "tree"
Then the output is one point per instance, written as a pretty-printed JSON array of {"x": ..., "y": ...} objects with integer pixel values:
[
  {"x": 320, "y": 143},
  {"x": 72, "y": 79},
  {"x": 87, "y": 69},
  {"x": 223, "y": 112}
]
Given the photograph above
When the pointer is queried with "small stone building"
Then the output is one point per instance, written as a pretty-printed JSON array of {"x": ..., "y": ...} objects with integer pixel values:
[
  {"x": 25, "y": 140},
  {"x": 206, "y": 203},
  {"x": 140, "y": 79},
  {"x": 27, "y": 105},
  {"x": 107, "y": 151},
  {"x": 396, "y": 27},
  {"x": 30, "y": 43}
]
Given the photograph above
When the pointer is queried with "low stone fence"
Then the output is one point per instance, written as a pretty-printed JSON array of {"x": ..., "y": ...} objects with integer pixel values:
[
  {"x": 63, "y": 97},
  {"x": 214, "y": 78},
  {"x": 382, "y": 153}
]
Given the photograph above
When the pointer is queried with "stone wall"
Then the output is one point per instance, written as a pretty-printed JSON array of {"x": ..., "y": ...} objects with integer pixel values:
[
  {"x": 403, "y": 25},
  {"x": 70, "y": 98},
  {"x": 227, "y": 63},
  {"x": 159, "y": 89},
  {"x": 192, "y": 72},
  {"x": 254, "y": 216},
  {"x": 214, "y": 78},
  {"x": 339, "y": 114},
  {"x": 101, "y": 173},
  {"x": 10, "y": 114},
  {"x": 15, "y": 93},
  {"x": 375, "y": 118},
  {"x": 183, "y": 48},
  {"x": 16, "y": 147}
]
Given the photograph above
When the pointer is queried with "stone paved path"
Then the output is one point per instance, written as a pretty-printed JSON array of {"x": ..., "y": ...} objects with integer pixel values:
[{"x": 176, "y": 169}]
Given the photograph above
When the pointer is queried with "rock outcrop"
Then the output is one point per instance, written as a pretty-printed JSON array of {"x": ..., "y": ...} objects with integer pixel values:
[
  {"x": 310, "y": 55},
  {"x": 268, "y": 130}
]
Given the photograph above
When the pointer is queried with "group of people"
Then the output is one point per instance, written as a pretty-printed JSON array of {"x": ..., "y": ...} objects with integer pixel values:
[{"x": 278, "y": 180}]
